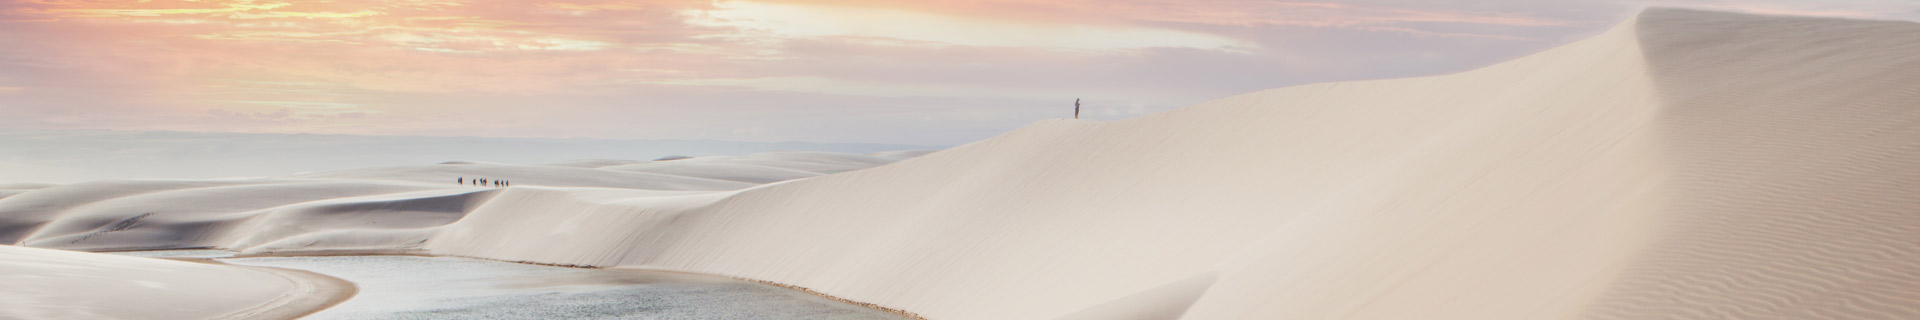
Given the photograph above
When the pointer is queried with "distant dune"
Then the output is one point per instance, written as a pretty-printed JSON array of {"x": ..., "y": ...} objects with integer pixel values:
[
  {"x": 77, "y": 156},
  {"x": 380, "y": 209},
  {"x": 1683, "y": 165}
]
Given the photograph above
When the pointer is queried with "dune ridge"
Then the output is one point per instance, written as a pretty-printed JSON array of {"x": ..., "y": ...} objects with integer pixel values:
[
  {"x": 1684, "y": 164},
  {"x": 372, "y": 210},
  {"x": 1283, "y": 194},
  {"x": 1581, "y": 182}
]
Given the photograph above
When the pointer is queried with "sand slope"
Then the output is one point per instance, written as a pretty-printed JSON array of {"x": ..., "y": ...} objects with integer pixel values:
[
  {"x": 1681, "y": 165},
  {"x": 1796, "y": 144}
]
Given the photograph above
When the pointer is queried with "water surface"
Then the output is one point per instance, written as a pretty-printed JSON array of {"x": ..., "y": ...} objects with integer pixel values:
[{"x": 411, "y": 287}]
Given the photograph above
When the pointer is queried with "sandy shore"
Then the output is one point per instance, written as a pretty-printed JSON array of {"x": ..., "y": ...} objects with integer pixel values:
[
  {"x": 311, "y": 292},
  {"x": 59, "y": 284}
]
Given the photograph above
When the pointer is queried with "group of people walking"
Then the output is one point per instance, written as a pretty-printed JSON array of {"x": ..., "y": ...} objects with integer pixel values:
[{"x": 483, "y": 182}]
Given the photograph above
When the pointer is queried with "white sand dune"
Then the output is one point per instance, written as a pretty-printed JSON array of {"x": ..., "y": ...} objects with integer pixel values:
[
  {"x": 816, "y": 162},
  {"x": 383, "y": 209},
  {"x": 57, "y": 284},
  {"x": 596, "y": 163},
  {"x": 124, "y": 215},
  {"x": 24, "y": 186},
  {"x": 10, "y": 189},
  {"x": 768, "y": 166},
  {"x": 747, "y": 173},
  {"x": 529, "y": 175},
  {"x": 1684, "y": 164},
  {"x": 898, "y": 155}
]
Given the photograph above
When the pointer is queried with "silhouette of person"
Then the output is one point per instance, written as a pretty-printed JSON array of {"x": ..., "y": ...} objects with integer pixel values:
[
  {"x": 1076, "y": 108},
  {"x": 461, "y": 180}
]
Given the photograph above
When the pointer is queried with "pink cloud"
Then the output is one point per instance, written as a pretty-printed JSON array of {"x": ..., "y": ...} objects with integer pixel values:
[
  {"x": 640, "y": 69},
  {"x": 1216, "y": 12}
]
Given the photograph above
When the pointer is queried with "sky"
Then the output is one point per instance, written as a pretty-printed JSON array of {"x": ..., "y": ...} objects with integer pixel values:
[{"x": 925, "y": 72}]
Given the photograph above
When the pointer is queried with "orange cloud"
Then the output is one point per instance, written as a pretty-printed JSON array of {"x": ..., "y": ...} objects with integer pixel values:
[
  {"x": 93, "y": 10},
  {"x": 1219, "y": 12}
]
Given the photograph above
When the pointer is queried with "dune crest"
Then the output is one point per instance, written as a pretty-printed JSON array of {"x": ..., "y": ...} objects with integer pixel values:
[{"x": 1581, "y": 182}]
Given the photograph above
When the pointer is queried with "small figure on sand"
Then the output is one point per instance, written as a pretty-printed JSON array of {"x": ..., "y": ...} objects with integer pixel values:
[
  {"x": 1076, "y": 108},
  {"x": 483, "y": 182}
]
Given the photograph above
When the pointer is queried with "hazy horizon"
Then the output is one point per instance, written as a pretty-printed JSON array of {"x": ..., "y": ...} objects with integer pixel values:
[{"x": 67, "y": 156}]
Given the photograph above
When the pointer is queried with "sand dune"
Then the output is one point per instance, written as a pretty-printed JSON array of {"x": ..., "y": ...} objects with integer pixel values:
[
  {"x": 161, "y": 215},
  {"x": 24, "y": 186},
  {"x": 383, "y": 209},
  {"x": 10, "y": 189},
  {"x": 747, "y": 173},
  {"x": 1583, "y": 182},
  {"x": 1795, "y": 144},
  {"x": 529, "y": 175},
  {"x": 1684, "y": 164}
]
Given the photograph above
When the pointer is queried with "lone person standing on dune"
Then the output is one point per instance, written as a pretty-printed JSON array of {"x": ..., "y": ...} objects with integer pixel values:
[{"x": 1076, "y": 108}]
